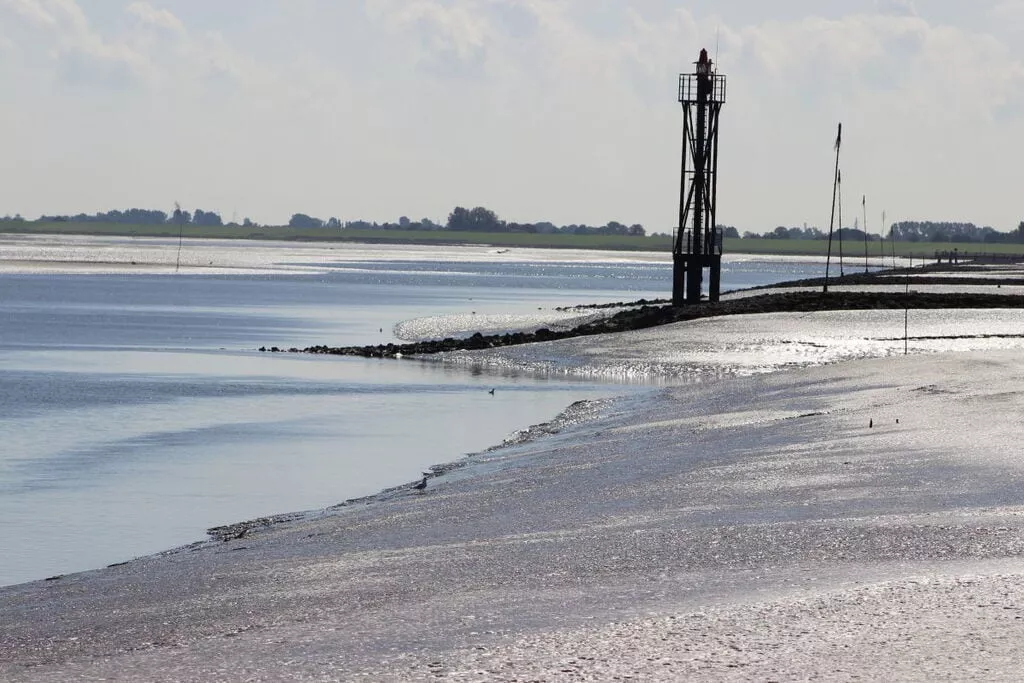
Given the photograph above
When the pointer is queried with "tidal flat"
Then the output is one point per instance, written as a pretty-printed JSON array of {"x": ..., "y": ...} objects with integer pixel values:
[
  {"x": 862, "y": 518},
  {"x": 832, "y": 494}
]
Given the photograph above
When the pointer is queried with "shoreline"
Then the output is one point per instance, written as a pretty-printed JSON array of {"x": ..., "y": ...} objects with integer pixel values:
[
  {"x": 579, "y": 410},
  {"x": 642, "y": 315}
]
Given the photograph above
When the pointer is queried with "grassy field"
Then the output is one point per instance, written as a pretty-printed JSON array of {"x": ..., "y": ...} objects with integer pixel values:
[
  {"x": 610, "y": 242},
  {"x": 855, "y": 250},
  {"x": 660, "y": 243}
]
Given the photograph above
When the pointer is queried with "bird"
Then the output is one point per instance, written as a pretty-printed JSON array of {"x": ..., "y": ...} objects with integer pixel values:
[
  {"x": 491, "y": 392},
  {"x": 871, "y": 423},
  {"x": 422, "y": 484}
]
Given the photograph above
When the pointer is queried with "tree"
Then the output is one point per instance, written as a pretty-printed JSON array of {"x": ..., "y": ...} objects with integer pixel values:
[
  {"x": 479, "y": 219},
  {"x": 180, "y": 217},
  {"x": 206, "y": 218},
  {"x": 302, "y": 221},
  {"x": 485, "y": 220},
  {"x": 459, "y": 219}
]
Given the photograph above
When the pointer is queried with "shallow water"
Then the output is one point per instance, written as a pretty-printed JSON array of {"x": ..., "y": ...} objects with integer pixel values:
[{"x": 135, "y": 410}]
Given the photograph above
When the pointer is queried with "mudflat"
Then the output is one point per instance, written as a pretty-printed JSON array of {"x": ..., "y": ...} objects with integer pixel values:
[{"x": 862, "y": 519}]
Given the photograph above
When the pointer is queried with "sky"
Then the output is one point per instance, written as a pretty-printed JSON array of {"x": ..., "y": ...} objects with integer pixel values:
[{"x": 541, "y": 110}]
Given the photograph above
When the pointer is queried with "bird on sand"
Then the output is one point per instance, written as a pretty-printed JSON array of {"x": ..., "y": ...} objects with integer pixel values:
[
  {"x": 422, "y": 484},
  {"x": 491, "y": 392}
]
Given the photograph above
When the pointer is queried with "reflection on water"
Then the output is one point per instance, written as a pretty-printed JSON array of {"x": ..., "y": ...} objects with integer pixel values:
[
  {"x": 104, "y": 460},
  {"x": 751, "y": 344}
]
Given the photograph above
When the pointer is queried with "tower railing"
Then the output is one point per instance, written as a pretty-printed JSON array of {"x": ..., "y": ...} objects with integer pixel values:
[
  {"x": 716, "y": 244},
  {"x": 688, "y": 88}
]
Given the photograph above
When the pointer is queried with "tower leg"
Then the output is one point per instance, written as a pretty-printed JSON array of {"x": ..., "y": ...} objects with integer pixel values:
[
  {"x": 694, "y": 279},
  {"x": 678, "y": 280},
  {"x": 715, "y": 283}
]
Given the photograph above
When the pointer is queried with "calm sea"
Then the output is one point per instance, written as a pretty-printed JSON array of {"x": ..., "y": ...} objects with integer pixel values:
[{"x": 136, "y": 410}]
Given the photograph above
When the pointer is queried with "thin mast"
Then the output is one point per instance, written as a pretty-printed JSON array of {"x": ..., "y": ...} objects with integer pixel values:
[
  {"x": 881, "y": 240},
  {"x": 832, "y": 218},
  {"x": 892, "y": 234},
  {"x": 864, "y": 204},
  {"x": 181, "y": 230},
  {"x": 839, "y": 183}
]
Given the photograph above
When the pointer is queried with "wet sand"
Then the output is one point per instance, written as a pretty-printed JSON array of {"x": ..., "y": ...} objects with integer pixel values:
[{"x": 782, "y": 526}]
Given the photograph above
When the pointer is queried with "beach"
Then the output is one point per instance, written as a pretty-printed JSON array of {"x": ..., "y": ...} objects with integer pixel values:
[{"x": 851, "y": 514}]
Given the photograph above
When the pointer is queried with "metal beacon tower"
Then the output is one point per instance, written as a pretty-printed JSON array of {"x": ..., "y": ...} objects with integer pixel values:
[{"x": 698, "y": 241}]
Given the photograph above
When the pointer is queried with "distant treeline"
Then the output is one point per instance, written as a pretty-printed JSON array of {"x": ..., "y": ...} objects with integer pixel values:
[
  {"x": 903, "y": 231},
  {"x": 136, "y": 217},
  {"x": 478, "y": 219}
]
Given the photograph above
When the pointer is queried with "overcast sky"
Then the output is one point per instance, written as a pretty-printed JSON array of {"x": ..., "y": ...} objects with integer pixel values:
[{"x": 560, "y": 110}]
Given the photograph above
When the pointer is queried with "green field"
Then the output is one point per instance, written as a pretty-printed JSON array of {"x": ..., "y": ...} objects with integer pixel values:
[
  {"x": 501, "y": 239},
  {"x": 659, "y": 243},
  {"x": 855, "y": 250}
]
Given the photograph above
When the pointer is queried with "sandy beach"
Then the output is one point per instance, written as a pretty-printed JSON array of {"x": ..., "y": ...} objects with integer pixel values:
[{"x": 859, "y": 519}]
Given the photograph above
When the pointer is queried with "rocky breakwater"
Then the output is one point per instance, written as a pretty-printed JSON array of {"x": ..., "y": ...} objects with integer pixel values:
[{"x": 644, "y": 316}]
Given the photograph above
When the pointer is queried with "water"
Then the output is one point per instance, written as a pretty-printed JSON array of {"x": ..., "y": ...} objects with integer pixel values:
[{"x": 136, "y": 410}]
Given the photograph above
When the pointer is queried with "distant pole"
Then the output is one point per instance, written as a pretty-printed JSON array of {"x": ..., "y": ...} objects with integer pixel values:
[
  {"x": 906, "y": 326},
  {"x": 906, "y": 316},
  {"x": 839, "y": 181},
  {"x": 180, "y": 217},
  {"x": 864, "y": 204},
  {"x": 881, "y": 241},
  {"x": 892, "y": 234},
  {"x": 832, "y": 217}
]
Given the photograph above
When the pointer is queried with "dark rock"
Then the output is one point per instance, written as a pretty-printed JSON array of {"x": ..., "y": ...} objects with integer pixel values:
[{"x": 650, "y": 315}]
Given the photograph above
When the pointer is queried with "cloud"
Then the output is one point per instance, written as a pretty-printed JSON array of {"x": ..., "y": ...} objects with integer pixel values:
[
  {"x": 152, "y": 50},
  {"x": 31, "y": 10},
  {"x": 1008, "y": 16},
  {"x": 448, "y": 35},
  {"x": 56, "y": 36},
  {"x": 149, "y": 15},
  {"x": 863, "y": 55},
  {"x": 904, "y": 8}
]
